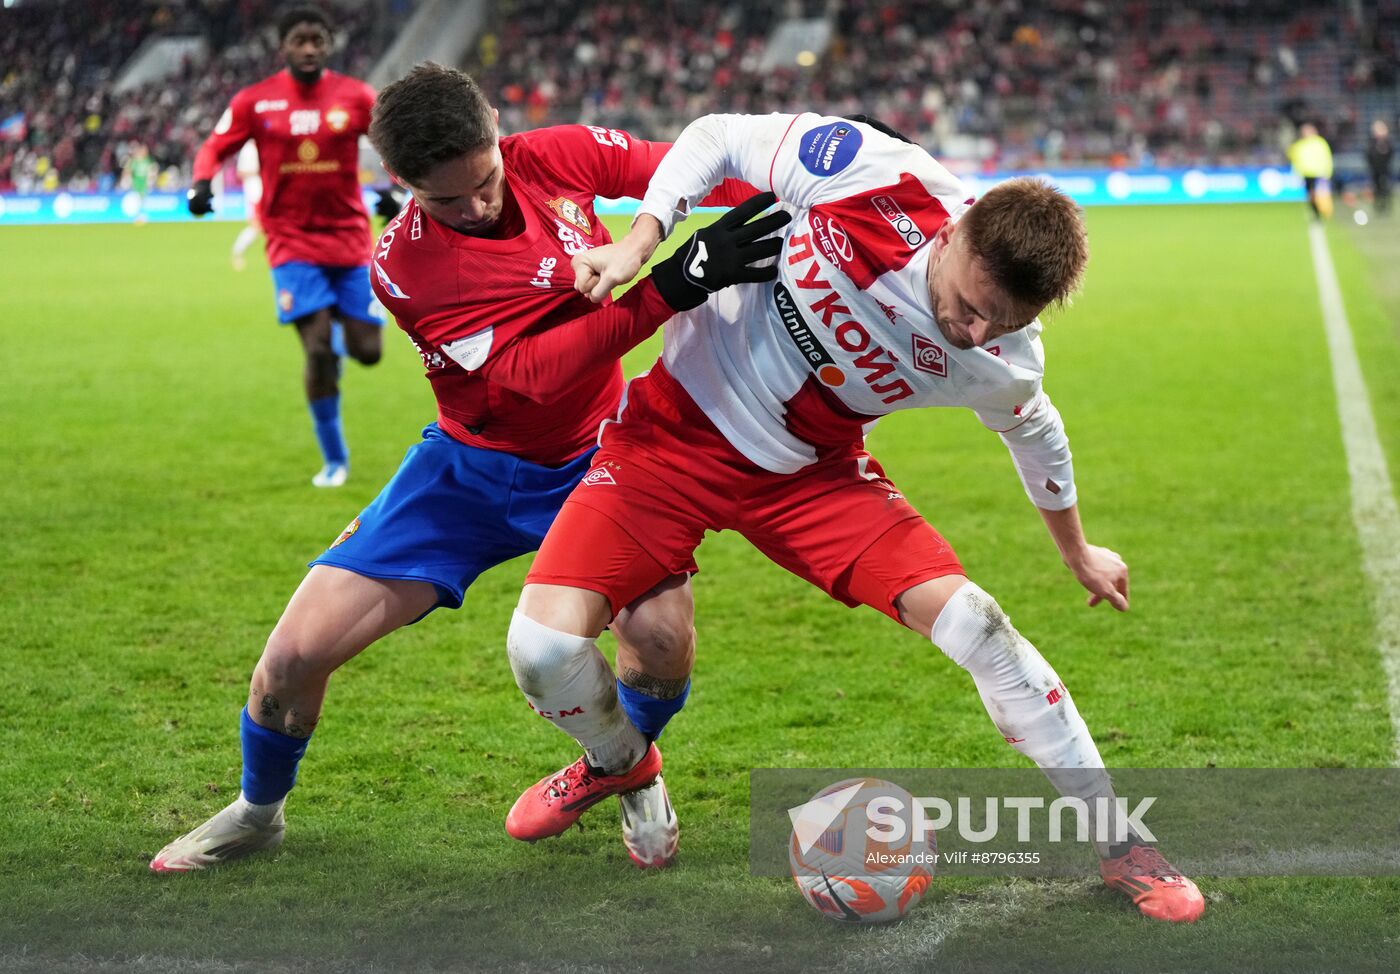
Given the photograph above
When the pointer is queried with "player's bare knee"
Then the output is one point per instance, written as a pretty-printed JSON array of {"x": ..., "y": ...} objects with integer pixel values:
[
  {"x": 658, "y": 643},
  {"x": 290, "y": 665},
  {"x": 656, "y": 633},
  {"x": 322, "y": 363}
]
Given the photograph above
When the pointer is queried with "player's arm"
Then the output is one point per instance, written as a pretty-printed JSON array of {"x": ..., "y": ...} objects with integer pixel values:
[
  {"x": 805, "y": 159},
  {"x": 613, "y": 163},
  {"x": 683, "y": 176},
  {"x": 230, "y": 132},
  {"x": 1101, "y": 571},
  {"x": 1034, "y": 433},
  {"x": 544, "y": 365},
  {"x": 598, "y": 270}
]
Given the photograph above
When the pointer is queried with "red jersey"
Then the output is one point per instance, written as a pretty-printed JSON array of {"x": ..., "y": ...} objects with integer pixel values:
[
  {"x": 520, "y": 362},
  {"x": 308, "y": 139}
]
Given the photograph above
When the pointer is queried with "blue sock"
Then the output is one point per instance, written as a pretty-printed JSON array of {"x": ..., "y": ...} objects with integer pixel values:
[
  {"x": 325, "y": 417},
  {"x": 269, "y": 761},
  {"x": 648, "y": 714}
]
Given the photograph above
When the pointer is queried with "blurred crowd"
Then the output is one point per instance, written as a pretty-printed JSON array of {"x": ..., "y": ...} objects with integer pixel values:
[
  {"x": 1006, "y": 83},
  {"x": 64, "y": 124},
  {"x": 995, "y": 83}
]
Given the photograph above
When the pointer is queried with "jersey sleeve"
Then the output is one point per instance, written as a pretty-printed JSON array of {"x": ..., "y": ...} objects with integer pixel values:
[
  {"x": 231, "y": 131},
  {"x": 616, "y": 164},
  {"x": 610, "y": 162},
  {"x": 545, "y": 365},
  {"x": 805, "y": 159},
  {"x": 542, "y": 366},
  {"x": 1035, "y": 435}
]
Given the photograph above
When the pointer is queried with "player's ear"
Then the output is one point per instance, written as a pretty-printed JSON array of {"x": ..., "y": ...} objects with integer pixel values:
[{"x": 944, "y": 236}]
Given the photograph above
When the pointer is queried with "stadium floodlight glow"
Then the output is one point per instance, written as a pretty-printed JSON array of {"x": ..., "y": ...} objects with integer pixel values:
[{"x": 806, "y": 58}]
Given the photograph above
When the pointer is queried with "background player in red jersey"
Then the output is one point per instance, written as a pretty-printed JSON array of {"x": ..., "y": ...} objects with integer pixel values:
[
  {"x": 307, "y": 122},
  {"x": 476, "y": 271}
]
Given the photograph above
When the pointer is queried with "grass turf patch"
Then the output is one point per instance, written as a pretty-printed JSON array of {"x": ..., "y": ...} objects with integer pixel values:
[{"x": 157, "y": 450}]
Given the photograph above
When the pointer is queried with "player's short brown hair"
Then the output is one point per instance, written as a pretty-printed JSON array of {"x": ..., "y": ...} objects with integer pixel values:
[
  {"x": 430, "y": 115},
  {"x": 1030, "y": 240}
]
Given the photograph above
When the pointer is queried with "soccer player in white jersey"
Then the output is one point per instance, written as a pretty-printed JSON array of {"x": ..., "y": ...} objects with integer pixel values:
[
  {"x": 895, "y": 290},
  {"x": 250, "y": 175}
]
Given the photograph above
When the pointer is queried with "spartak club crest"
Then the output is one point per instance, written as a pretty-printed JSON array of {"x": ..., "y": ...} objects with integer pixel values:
[{"x": 929, "y": 357}]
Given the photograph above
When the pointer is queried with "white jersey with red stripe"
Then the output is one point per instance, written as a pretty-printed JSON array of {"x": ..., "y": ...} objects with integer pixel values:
[{"x": 846, "y": 334}]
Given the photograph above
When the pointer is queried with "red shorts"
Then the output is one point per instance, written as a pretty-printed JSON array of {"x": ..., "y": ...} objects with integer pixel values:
[{"x": 665, "y": 475}]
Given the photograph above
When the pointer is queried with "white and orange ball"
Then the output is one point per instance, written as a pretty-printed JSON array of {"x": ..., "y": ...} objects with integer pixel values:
[{"x": 859, "y": 869}]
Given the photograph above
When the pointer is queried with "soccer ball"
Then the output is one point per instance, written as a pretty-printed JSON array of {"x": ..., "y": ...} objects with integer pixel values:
[{"x": 847, "y": 873}]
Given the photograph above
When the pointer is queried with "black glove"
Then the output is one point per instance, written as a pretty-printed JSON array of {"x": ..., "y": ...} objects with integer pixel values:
[
  {"x": 388, "y": 205},
  {"x": 201, "y": 198},
  {"x": 722, "y": 254}
]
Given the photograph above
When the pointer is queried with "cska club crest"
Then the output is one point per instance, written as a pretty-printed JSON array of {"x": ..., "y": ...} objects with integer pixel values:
[
  {"x": 338, "y": 119},
  {"x": 347, "y": 534},
  {"x": 571, "y": 213}
]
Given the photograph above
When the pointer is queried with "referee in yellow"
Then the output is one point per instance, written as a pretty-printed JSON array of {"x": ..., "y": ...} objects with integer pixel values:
[{"x": 1311, "y": 158}]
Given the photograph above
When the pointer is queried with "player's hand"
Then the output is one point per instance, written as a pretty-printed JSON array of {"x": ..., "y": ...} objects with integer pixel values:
[
  {"x": 200, "y": 198},
  {"x": 1104, "y": 573},
  {"x": 388, "y": 204},
  {"x": 598, "y": 270},
  {"x": 722, "y": 254}
]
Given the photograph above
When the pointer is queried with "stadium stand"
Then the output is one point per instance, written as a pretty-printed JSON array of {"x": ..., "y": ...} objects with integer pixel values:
[
  {"x": 996, "y": 83},
  {"x": 68, "y": 126},
  {"x": 1009, "y": 83}
]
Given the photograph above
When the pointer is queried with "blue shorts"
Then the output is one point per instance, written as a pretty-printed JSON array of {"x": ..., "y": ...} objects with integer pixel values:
[
  {"x": 451, "y": 512},
  {"x": 304, "y": 289}
]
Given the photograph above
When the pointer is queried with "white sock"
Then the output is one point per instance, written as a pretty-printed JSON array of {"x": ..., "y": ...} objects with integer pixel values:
[
  {"x": 244, "y": 240},
  {"x": 260, "y": 816},
  {"x": 569, "y": 683},
  {"x": 1025, "y": 699}
]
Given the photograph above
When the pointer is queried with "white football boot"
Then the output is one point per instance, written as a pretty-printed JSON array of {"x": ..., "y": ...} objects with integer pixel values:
[
  {"x": 649, "y": 828},
  {"x": 239, "y": 830},
  {"x": 332, "y": 475}
]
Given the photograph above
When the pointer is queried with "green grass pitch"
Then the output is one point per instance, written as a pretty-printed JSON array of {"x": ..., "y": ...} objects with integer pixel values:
[{"x": 156, "y": 452}]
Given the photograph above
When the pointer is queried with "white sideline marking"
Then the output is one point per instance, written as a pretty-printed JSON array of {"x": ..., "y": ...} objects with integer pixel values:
[
  {"x": 916, "y": 941},
  {"x": 1373, "y": 506}
]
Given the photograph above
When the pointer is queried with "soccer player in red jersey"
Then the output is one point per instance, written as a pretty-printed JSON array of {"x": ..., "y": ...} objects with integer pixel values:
[
  {"x": 307, "y": 122},
  {"x": 476, "y": 271}
]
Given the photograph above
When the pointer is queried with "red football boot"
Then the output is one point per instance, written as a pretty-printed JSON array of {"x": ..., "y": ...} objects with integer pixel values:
[
  {"x": 552, "y": 804},
  {"x": 1153, "y": 884}
]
